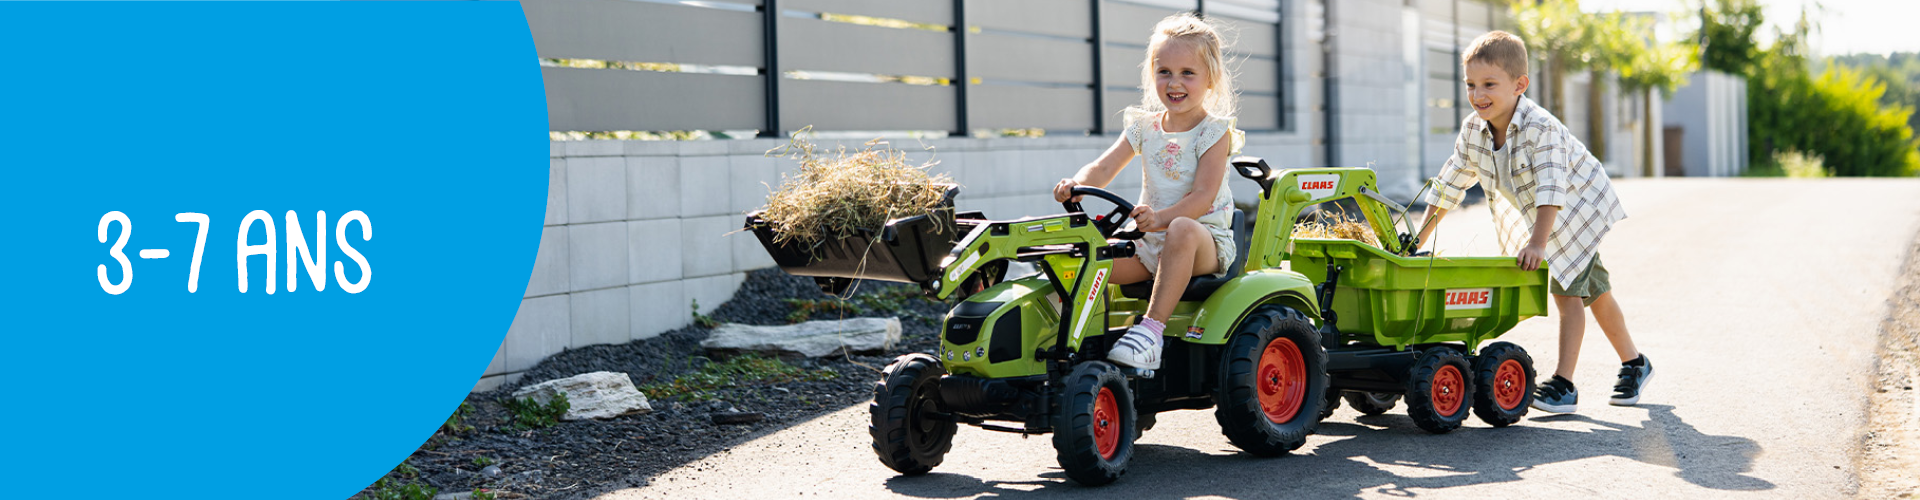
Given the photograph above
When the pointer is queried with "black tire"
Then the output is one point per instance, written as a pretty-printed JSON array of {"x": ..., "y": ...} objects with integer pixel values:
[
  {"x": 907, "y": 434},
  {"x": 1333, "y": 403},
  {"x": 1372, "y": 403},
  {"x": 1502, "y": 384},
  {"x": 1242, "y": 417},
  {"x": 1439, "y": 391},
  {"x": 1095, "y": 408},
  {"x": 1146, "y": 421}
]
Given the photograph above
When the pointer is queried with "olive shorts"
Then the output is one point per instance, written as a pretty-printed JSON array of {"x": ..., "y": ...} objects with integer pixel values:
[{"x": 1591, "y": 283}]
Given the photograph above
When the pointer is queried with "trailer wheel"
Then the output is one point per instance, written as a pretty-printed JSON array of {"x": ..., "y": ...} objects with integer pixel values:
[
  {"x": 1372, "y": 403},
  {"x": 909, "y": 431},
  {"x": 1333, "y": 403},
  {"x": 1503, "y": 384},
  {"x": 1273, "y": 382},
  {"x": 1438, "y": 390},
  {"x": 1096, "y": 425}
]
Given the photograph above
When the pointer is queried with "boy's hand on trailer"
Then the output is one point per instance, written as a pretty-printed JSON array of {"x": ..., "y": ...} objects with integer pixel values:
[{"x": 1531, "y": 256}]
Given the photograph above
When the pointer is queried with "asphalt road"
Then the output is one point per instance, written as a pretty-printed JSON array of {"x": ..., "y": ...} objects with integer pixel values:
[{"x": 1757, "y": 300}]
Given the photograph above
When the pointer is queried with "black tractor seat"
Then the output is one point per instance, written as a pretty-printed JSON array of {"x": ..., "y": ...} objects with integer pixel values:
[{"x": 1200, "y": 287}]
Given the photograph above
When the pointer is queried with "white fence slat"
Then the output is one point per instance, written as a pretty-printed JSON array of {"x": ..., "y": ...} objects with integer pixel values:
[
  {"x": 618, "y": 30},
  {"x": 810, "y": 44},
  {"x": 830, "y": 105},
  {"x": 604, "y": 100},
  {"x": 1068, "y": 18},
  {"x": 920, "y": 11},
  {"x": 1004, "y": 106},
  {"x": 1005, "y": 57}
]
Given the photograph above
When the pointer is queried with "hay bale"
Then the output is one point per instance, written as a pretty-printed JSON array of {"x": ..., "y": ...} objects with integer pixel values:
[{"x": 836, "y": 195}]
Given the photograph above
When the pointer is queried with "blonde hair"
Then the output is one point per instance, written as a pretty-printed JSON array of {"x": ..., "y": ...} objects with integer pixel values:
[
  {"x": 1498, "y": 48},
  {"x": 1185, "y": 27}
]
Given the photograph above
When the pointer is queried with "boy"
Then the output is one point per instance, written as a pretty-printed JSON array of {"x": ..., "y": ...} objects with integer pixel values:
[{"x": 1537, "y": 176}]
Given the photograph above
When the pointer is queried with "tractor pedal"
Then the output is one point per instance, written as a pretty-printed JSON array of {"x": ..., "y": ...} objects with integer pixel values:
[{"x": 1131, "y": 372}]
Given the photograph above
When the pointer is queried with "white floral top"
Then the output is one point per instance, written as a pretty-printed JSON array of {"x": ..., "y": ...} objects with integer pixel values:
[
  {"x": 1172, "y": 158},
  {"x": 1170, "y": 161}
]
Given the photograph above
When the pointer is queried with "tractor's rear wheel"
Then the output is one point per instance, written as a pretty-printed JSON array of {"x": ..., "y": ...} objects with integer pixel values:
[
  {"x": 1273, "y": 382},
  {"x": 1503, "y": 384},
  {"x": 1095, "y": 427},
  {"x": 910, "y": 432},
  {"x": 1439, "y": 390},
  {"x": 1372, "y": 403}
]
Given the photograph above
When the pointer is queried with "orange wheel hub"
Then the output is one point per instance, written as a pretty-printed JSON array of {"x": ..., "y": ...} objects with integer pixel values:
[
  {"x": 1509, "y": 384},
  {"x": 1448, "y": 387},
  {"x": 1282, "y": 380},
  {"x": 1106, "y": 424}
]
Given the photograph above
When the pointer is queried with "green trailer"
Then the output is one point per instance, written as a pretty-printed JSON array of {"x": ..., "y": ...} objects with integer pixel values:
[{"x": 1272, "y": 346}]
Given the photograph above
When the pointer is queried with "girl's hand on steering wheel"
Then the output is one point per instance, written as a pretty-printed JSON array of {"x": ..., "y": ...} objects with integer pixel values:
[
  {"x": 1064, "y": 189},
  {"x": 1146, "y": 220}
]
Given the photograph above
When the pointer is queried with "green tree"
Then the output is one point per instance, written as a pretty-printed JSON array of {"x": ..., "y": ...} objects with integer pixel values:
[
  {"x": 1837, "y": 115},
  {"x": 1726, "y": 35}
]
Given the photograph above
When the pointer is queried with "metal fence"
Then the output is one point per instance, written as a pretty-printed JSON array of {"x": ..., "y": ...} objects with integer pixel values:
[{"x": 953, "y": 66}]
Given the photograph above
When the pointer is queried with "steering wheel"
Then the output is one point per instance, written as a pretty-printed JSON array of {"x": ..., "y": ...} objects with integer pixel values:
[{"x": 1109, "y": 224}]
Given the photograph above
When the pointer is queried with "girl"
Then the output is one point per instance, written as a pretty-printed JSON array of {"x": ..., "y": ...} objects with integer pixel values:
[{"x": 1184, "y": 126}]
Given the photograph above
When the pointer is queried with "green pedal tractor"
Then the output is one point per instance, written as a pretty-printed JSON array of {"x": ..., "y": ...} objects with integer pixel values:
[{"x": 1294, "y": 326}]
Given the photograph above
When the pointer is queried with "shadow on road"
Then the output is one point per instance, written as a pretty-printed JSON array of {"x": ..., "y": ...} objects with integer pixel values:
[{"x": 1387, "y": 454}]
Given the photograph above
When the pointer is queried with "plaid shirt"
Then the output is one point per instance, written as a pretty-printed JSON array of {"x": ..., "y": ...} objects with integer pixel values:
[{"x": 1541, "y": 165}]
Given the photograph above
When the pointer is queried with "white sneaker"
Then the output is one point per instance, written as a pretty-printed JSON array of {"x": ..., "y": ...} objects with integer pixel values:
[{"x": 1138, "y": 348}]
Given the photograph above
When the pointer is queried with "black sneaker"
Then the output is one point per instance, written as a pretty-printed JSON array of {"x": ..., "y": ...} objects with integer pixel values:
[
  {"x": 1556, "y": 396},
  {"x": 1633, "y": 381}
]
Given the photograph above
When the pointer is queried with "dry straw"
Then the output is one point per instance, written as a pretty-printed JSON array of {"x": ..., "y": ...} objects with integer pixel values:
[
  {"x": 1339, "y": 227},
  {"x": 836, "y": 195}
]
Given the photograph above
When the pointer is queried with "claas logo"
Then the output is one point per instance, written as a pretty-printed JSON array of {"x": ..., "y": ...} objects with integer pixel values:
[
  {"x": 1306, "y": 185},
  {"x": 1480, "y": 298}
]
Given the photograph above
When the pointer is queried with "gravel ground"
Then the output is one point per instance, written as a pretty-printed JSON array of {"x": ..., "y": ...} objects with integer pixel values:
[
  {"x": 580, "y": 459},
  {"x": 1889, "y": 459}
]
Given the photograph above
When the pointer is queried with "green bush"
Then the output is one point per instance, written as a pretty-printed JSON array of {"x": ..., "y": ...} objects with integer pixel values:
[{"x": 1836, "y": 117}]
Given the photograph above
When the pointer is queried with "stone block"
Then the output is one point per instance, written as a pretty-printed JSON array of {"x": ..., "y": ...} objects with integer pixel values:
[
  {"x": 556, "y": 192},
  {"x": 748, "y": 254},
  {"x": 653, "y": 250},
  {"x": 599, "y": 317},
  {"x": 550, "y": 274},
  {"x": 704, "y": 250},
  {"x": 590, "y": 395},
  {"x": 752, "y": 178},
  {"x": 653, "y": 187},
  {"x": 597, "y": 255},
  {"x": 703, "y": 148},
  {"x": 597, "y": 192},
  {"x": 657, "y": 308},
  {"x": 651, "y": 148},
  {"x": 576, "y": 149},
  {"x": 556, "y": 149},
  {"x": 540, "y": 328},
  {"x": 712, "y": 291},
  {"x": 810, "y": 339},
  {"x": 499, "y": 363},
  {"x": 703, "y": 186}
]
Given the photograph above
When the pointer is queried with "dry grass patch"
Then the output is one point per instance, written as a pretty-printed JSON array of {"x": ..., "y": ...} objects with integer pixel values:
[{"x": 837, "y": 193}]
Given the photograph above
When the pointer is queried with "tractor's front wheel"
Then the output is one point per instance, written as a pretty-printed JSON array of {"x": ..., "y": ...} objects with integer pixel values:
[
  {"x": 1273, "y": 382},
  {"x": 1439, "y": 390},
  {"x": 1095, "y": 427},
  {"x": 1372, "y": 403},
  {"x": 910, "y": 433},
  {"x": 1503, "y": 384}
]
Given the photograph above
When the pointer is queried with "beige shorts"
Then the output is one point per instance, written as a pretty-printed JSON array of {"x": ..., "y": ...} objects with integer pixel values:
[{"x": 1147, "y": 248}]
